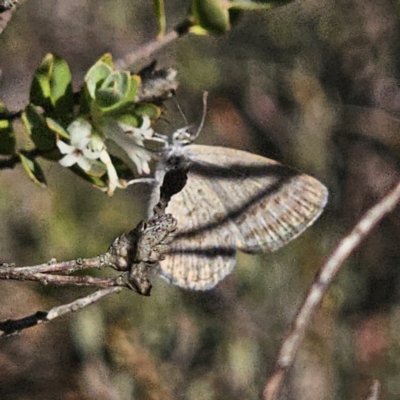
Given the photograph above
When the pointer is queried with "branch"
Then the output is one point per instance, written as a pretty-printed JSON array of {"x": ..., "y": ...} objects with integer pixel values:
[
  {"x": 11, "y": 327},
  {"x": 374, "y": 391},
  {"x": 44, "y": 273},
  {"x": 135, "y": 254},
  {"x": 9, "y": 273},
  {"x": 318, "y": 289},
  {"x": 146, "y": 51},
  {"x": 66, "y": 267}
]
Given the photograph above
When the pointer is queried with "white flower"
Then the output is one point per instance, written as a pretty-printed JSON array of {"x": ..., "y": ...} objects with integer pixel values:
[
  {"x": 88, "y": 150},
  {"x": 113, "y": 180},
  {"x": 130, "y": 139},
  {"x": 78, "y": 151},
  {"x": 143, "y": 132}
]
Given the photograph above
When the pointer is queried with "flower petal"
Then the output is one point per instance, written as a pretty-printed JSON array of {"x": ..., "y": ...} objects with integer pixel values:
[
  {"x": 83, "y": 163},
  {"x": 91, "y": 155},
  {"x": 132, "y": 146},
  {"x": 80, "y": 131},
  {"x": 113, "y": 180},
  {"x": 146, "y": 123},
  {"x": 68, "y": 160},
  {"x": 140, "y": 157},
  {"x": 64, "y": 147}
]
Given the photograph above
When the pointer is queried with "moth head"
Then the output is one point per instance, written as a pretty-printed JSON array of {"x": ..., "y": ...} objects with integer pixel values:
[{"x": 183, "y": 136}]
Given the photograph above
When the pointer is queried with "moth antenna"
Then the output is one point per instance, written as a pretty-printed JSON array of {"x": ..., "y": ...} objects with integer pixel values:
[
  {"x": 178, "y": 106},
  {"x": 203, "y": 117},
  {"x": 183, "y": 135}
]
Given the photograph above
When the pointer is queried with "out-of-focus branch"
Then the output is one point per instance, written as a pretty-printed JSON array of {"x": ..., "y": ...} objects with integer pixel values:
[
  {"x": 321, "y": 284},
  {"x": 146, "y": 51},
  {"x": 13, "y": 326},
  {"x": 374, "y": 391}
]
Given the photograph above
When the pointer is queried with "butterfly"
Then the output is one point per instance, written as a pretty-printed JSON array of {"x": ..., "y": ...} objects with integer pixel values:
[{"x": 233, "y": 200}]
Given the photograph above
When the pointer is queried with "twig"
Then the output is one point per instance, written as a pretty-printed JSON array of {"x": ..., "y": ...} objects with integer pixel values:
[
  {"x": 144, "y": 52},
  {"x": 324, "y": 278},
  {"x": 135, "y": 254},
  {"x": 374, "y": 391},
  {"x": 62, "y": 280},
  {"x": 11, "y": 327},
  {"x": 147, "y": 50},
  {"x": 66, "y": 267}
]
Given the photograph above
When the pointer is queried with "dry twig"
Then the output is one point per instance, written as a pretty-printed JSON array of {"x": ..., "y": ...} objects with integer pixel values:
[
  {"x": 11, "y": 327},
  {"x": 135, "y": 254},
  {"x": 146, "y": 51},
  {"x": 374, "y": 391},
  {"x": 321, "y": 284}
]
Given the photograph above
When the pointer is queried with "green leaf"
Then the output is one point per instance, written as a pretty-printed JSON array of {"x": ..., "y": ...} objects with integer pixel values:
[
  {"x": 211, "y": 16},
  {"x": 7, "y": 138},
  {"x": 107, "y": 59},
  {"x": 98, "y": 73},
  {"x": 129, "y": 120},
  {"x": 216, "y": 17},
  {"x": 57, "y": 129},
  {"x": 97, "y": 178},
  {"x": 111, "y": 91},
  {"x": 97, "y": 169},
  {"x": 43, "y": 137},
  {"x": 85, "y": 101},
  {"x": 33, "y": 169},
  {"x": 152, "y": 111},
  {"x": 116, "y": 91},
  {"x": 108, "y": 93},
  {"x": 40, "y": 87},
  {"x": 160, "y": 14},
  {"x": 61, "y": 90},
  {"x": 135, "y": 82},
  {"x": 52, "y": 88}
]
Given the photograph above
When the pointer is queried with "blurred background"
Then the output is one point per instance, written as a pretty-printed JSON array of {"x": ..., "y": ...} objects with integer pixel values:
[{"x": 313, "y": 84}]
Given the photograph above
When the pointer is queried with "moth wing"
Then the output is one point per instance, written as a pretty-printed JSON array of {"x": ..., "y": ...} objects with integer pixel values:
[
  {"x": 266, "y": 204},
  {"x": 198, "y": 259},
  {"x": 234, "y": 199}
]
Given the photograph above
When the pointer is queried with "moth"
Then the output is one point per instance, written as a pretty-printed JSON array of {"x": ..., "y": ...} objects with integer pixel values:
[{"x": 233, "y": 200}]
